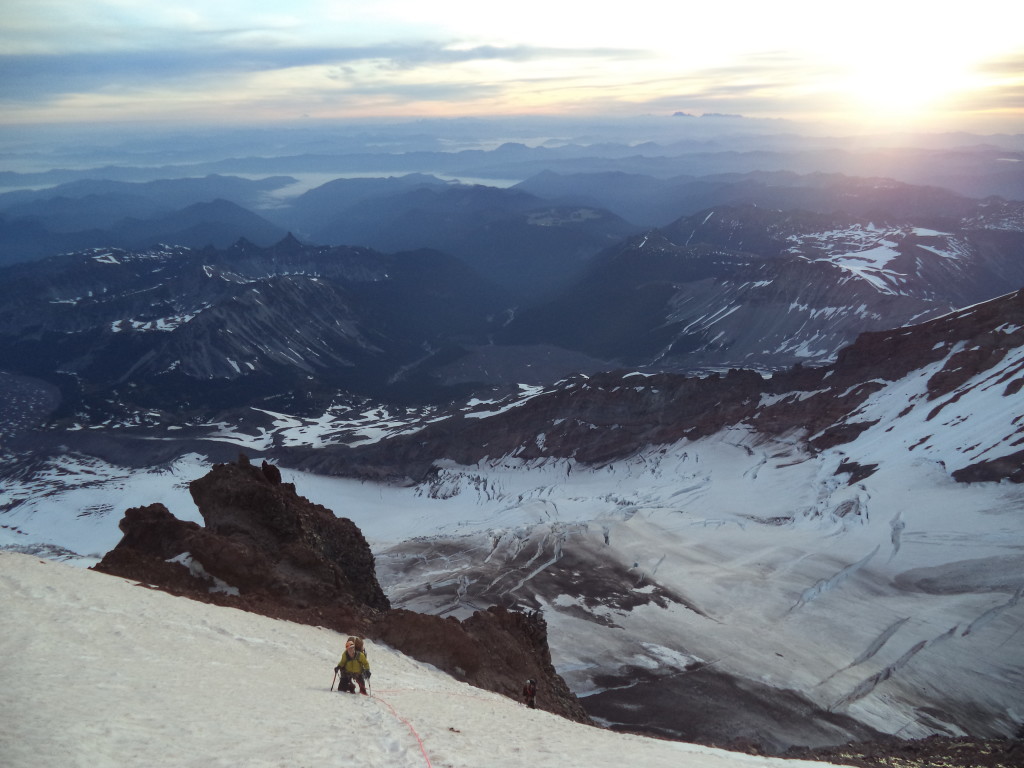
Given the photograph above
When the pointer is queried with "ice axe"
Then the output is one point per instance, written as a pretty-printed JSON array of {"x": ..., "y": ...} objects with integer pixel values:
[{"x": 335, "y": 678}]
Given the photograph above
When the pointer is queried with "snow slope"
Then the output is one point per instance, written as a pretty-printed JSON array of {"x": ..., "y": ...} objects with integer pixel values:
[
  {"x": 97, "y": 671},
  {"x": 893, "y": 599}
]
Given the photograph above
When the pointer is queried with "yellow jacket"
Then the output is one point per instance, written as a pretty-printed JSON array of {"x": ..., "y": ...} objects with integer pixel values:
[{"x": 354, "y": 665}]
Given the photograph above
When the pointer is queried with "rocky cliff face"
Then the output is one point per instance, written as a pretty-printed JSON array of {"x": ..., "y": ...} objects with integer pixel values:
[
  {"x": 266, "y": 549},
  {"x": 496, "y": 649}
]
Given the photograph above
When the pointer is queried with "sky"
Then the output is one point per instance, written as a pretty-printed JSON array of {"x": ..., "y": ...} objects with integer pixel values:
[{"x": 873, "y": 64}]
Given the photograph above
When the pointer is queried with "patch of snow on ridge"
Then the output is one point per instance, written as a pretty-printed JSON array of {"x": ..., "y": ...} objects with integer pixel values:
[
  {"x": 336, "y": 426},
  {"x": 867, "y": 252},
  {"x": 197, "y": 570},
  {"x": 972, "y": 424},
  {"x": 526, "y": 393},
  {"x": 163, "y": 324},
  {"x": 852, "y": 238},
  {"x": 870, "y": 265}
]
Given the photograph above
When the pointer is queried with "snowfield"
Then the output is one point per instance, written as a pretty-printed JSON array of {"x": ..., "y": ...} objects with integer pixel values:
[
  {"x": 98, "y": 671},
  {"x": 861, "y": 577}
]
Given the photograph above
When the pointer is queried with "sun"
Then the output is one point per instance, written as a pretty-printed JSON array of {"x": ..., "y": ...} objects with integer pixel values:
[{"x": 903, "y": 84}]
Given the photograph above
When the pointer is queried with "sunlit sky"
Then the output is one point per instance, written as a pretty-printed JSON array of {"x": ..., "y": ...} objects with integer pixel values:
[{"x": 870, "y": 63}]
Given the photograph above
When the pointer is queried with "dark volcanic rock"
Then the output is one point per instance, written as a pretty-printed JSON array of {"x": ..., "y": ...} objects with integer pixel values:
[
  {"x": 1005, "y": 467},
  {"x": 494, "y": 649},
  {"x": 268, "y": 550},
  {"x": 262, "y": 542},
  {"x": 152, "y": 538},
  {"x": 318, "y": 561},
  {"x": 289, "y": 547},
  {"x": 954, "y": 752}
]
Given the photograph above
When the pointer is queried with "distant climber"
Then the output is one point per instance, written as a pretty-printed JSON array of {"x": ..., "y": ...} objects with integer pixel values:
[
  {"x": 353, "y": 667},
  {"x": 530, "y": 693}
]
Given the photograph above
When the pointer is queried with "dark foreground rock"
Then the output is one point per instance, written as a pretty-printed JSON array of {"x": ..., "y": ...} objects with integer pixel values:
[
  {"x": 261, "y": 540},
  {"x": 496, "y": 649},
  {"x": 921, "y": 753},
  {"x": 268, "y": 550}
]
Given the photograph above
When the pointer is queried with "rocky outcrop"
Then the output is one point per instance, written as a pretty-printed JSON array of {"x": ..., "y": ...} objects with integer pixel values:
[
  {"x": 921, "y": 753},
  {"x": 496, "y": 649},
  {"x": 261, "y": 540},
  {"x": 1009, "y": 467},
  {"x": 268, "y": 550},
  {"x": 286, "y": 546}
]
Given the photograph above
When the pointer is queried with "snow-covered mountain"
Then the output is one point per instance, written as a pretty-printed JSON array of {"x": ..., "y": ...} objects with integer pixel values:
[
  {"x": 128, "y": 335},
  {"x": 172, "y": 335},
  {"x": 98, "y": 670},
  {"x": 766, "y": 288},
  {"x": 819, "y": 556}
]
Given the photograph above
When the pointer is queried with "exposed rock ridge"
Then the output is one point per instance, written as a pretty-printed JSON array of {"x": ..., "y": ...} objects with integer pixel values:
[
  {"x": 268, "y": 550},
  {"x": 608, "y": 416}
]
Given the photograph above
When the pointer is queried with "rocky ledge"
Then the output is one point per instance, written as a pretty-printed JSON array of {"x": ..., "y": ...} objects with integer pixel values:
[
  {"x": 268, "y": 550},
  {"x": 950, "y": 752}
]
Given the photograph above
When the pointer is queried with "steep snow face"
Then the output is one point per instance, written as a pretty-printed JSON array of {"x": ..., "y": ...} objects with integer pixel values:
[
  {"x": 893, "y": 601},
  {"x": 859, "y": 583},
  {"x": 979, "y": 421},
  {"x": 100, "y": 671}
]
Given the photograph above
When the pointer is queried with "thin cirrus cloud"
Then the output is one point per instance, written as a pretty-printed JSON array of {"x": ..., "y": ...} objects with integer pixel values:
[
  {"x": 32, "y": 77},
  {"x": 239, "y": 60}
]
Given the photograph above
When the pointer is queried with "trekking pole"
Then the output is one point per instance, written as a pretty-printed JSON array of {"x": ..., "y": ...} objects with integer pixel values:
[{"x": 335, "y": 678}]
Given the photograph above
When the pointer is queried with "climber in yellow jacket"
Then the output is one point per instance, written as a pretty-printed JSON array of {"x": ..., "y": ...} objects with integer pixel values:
[{"x": 353, "y": 667}]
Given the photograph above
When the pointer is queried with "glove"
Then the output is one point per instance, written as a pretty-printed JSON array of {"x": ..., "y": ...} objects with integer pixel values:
[
  {"x": 337, "y": 667},
  {"x": 366, "y": 674}
]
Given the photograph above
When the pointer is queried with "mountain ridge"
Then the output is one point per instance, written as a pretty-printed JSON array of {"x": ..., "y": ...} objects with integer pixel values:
[{"x": 802, "y": 559}]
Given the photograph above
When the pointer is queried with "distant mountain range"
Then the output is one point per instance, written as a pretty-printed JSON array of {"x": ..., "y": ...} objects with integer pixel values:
[
  {"x": 760, "y": 287},
  {"x": 183, "y": 331},
  {"x": 972, "y": 165},
  {"x": 112, "y": 214},
  {"x": 527, "y": 291}
]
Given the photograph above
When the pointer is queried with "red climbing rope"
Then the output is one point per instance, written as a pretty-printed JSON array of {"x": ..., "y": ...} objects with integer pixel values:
[{"x": 409, "y": 725}]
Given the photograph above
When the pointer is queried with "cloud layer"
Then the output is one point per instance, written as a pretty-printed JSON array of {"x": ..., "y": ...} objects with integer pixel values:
[{"x": 249, "y": 61}]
